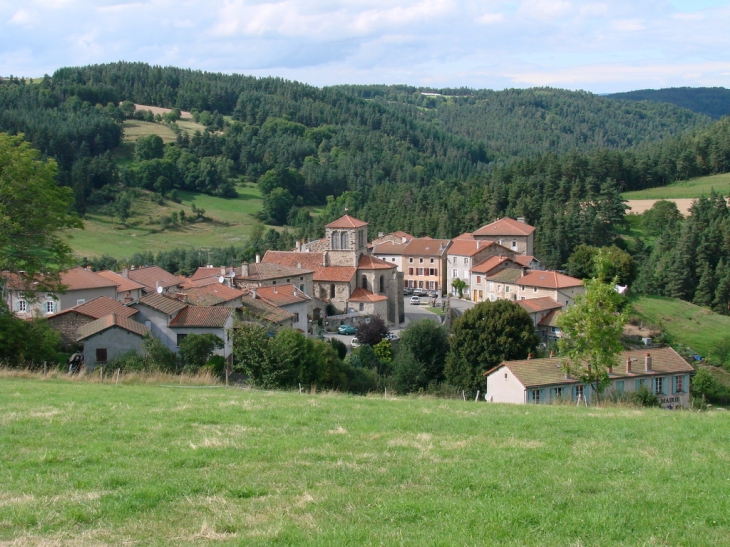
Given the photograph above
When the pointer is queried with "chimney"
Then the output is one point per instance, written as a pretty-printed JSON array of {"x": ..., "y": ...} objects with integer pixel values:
[
  {"x": 258, "y": 259},
  {"x": 647, "y": 363},
  {"x": 524, "y": 272},
  {"x": 628, "y": 365},
  {"x": 223, "y": 271},
  {"x": 157, "y": 284},
  {"x": 253, "y": 294},
  {"x": 529, "y": 356},
  {"x": 276, "y": 291},
  {"x": 479, "y": 244},
  {"x": 610, "y": 370},
  {"x": 299, "y": 265},
  {"x": 521, "y": 219},
  {"x": 125, "y": 272},
  {"x": 244, "y": 269},
  {"x": 132, "y": 267}
]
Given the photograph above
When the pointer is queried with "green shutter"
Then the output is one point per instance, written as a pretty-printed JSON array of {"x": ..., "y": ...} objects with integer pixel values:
[{"x": 674, "y": 384}]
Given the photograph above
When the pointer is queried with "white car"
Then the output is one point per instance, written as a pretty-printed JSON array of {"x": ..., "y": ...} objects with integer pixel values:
[
  {"x": 355, "y": 343},
  {"x": 415, "y": 300}
]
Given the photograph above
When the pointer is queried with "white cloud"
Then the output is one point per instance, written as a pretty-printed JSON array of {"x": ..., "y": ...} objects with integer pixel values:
[
  {"x": 629, "y": 25},
  {"x": 491, "y": 18},
  {"x": 547, "y": 10},
  {"x": 21, "y": 17}
]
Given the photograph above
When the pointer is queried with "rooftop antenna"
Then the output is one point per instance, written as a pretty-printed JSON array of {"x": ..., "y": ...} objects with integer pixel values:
[
  {"x": 159, "y": 290},
  {"x": 221, "y": 279}
]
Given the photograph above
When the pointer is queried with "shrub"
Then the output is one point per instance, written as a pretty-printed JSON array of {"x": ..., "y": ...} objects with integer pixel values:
[{"x": 641, "y": 397}]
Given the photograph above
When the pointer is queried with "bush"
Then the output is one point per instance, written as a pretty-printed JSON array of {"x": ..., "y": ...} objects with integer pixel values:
[
  {"x": 129, "y": 362},
  {"x": 641, "y": 397},
  {"x": 340, "y": 347}
]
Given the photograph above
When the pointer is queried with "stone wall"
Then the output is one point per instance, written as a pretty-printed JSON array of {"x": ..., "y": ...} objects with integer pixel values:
[{"x": 68, "y": 325}]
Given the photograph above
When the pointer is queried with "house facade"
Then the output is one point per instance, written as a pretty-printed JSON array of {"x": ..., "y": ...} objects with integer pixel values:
[
  {"x": 516, "y": 235},
  {"x": 422, "y": 261},
  {"x": 109, "y": 338},
  {"x": 68, "y": 322},
  {"x": 542, "y": 381},
  {"x": 465, "y": 254}
]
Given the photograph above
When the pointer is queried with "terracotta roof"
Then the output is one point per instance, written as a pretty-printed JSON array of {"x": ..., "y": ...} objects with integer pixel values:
[
  {"x": 99, "y": 307},
  {"x": 75, "y": 279},
  {"x": 163, "y": 303},
  {"x": 309, "y": 261},
  {"x": 282, "y": 295},
  {"x": 402, "y": 234},
  {"x": 109, "y": 321},
  {"x": 551, "y": 319},
  {"x": 263, "y": 310},
  {"x": 524, "y": 260},
  {"x": 541, "y": 372},
  {"x": 470, "y": 247},
  {"x": 535, "y": 305},
  {"x": 124, "y": 284},
  {"x": 486, "y": 266},
  {"x": 340, "y": 274},
  {"x": 367, "y": 262},
  {"x": 204, "y": 282},
  {"x": 389, "y": 249},
  {"x": 550, "y": 280},
  {"x": 346, "y": 222},
  {"x": 204, "y": 272},
  {"x": 465, "y": 235},
  {"x": 151, "y": 276},
  {"x": 202, "y": 316},
  {"x": 510, "y": 275},
  {"x": 261, "y": 271},
  {"x": 505, "y": 227},
  {"x": 425, "y": 246},
  {"x": 211, "y": 295},
  {"x": 364, "y": 295}
]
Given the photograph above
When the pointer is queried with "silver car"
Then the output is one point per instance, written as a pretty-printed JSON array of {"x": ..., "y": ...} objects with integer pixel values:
[{"x": 415, "y": 300}]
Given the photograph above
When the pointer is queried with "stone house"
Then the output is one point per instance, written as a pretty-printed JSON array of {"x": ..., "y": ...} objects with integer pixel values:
[
  {"x": 514, "y": 284},
  {"x": 81, "y": 285},
  {"x": 422, "y": 259},
  {"x": 216, "y": 320},
  {"x": 153, "y": 278},
  {"x": 541, "y": 381},
  {"x": 464, "y": 254},
  {"x": 157, "y": 311},
  {"x": 68, "y": 322},
  {"x": 289, "y": 299},
  {"x": 516, "y": 235},
  {"x": 127, "y": 290},
  {"x": 395, "y": 238},
  {"x": 259, "y": 310},
  {"x": 110, "y": 337},
  {"x": 480, "y": 274}
]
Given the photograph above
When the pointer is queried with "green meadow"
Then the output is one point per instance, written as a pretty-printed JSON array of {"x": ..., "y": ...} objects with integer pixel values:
[
  {"x": 90, "y": 464},
  {"x": 232, "y": 222},
  {"x": 694, "y": 188}
]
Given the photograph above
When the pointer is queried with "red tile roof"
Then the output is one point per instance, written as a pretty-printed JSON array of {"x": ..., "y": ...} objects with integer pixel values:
[
  {"x": 202, "y": 316},
  {"x": 465, "y": 235},
  {"x": 160, "y": 302},
  {"x": 99, "y": 307},
  {"x": 282, "y": 295},
  {"x": 346, "y": 222},
  {"x": 402, "y": 235},
  {"x": 549, "y": 280},
  {"x": 486, "y": 266},
  {"x": 364, "y": 295},
  {"x": 261, "y": 309},
  {"x": 367, "y": 262},
  {"x": 505, "y": 227},
  {"x": 551, "y": 319},
  {"x": 212, "y": 295},
  {"x": 536, "y": 305},
  {"x": 79, "y": 278},
  {"x": 509, "y": 275},
  {"x": 190, "y": 284},
  {"x": 524, "y": 260},
  {"x": 308, "y": 261},
  {"x": 261, "y": 271},
  {"x": 341, "y": 274},
  {"x": 154, "y": 276},
  {"x": 109, "y": 321},
  {"x": 389, "y": 248},
  {"x": 470, "y": 247},
  {"x": 124, "y": 284},
  {"x": 205, "y": 272},
  {"x": 426, "y": 246}
]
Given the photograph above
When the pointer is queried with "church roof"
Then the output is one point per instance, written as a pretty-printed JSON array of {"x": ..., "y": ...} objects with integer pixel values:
[{"x": 347, "y": 222}]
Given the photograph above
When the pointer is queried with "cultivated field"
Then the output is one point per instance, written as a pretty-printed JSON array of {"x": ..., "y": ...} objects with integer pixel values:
[
  {"x": 685, "y": 189},
  {"x": 91, "y": 464},
  {"x": 694, "y": 326},
  {"x": 638, "y": 206},
  {"x": 233, "y": 223}
]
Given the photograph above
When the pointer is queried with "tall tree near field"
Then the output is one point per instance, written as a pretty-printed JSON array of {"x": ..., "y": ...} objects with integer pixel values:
[
  {"x": 428, "y": 342},
  {"x": 486, "y": 335},
  {"x": 591, "y": 339}
]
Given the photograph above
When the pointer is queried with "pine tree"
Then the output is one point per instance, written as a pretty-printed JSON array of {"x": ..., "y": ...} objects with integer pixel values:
[
  {"x": 705, "y": 293},
  {"x": 721, "y": 304}
]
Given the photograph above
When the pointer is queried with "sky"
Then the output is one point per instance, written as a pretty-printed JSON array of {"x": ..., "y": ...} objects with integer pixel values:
[{"x": 597, "y": 46}]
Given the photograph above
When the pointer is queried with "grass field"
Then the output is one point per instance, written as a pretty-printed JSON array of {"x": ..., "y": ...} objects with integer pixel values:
[
  {"x": 686, "y": 323},
  {"x": 233, "y": 224},
  {"x": 90, "y": 464},
  {"x": 685, "y": 189}
]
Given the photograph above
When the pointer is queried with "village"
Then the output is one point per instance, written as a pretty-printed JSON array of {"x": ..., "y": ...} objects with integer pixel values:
[{"x": 340, "y": 282}]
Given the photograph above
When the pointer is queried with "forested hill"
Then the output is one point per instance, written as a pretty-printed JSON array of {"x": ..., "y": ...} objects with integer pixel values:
[
  {"x": 710, "y": 101},
  {"x": 517, "y": 122}
]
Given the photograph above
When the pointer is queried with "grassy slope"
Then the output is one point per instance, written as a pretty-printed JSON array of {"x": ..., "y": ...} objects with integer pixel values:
[
  {"x": 101, "y": 235},
  {"x": 686, "y": 323},
  {"x": 89, "y": 464},
  {"x": 685, "y": 189}
]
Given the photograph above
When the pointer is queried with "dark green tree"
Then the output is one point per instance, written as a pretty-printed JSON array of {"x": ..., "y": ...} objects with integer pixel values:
[
  {"x": 428, "y": 343},
  {"x": 149, "y": 147},
  {"x": 196, "y": 349}
]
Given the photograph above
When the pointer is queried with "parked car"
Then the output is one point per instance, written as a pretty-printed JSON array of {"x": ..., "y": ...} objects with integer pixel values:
[
  {"x": 415, "y": 300},
  {"x": 420, "y": 292},
  {"x": 355, "y": 343},
  {"x": 346, "y": 329},
  {"x": 434, "y": 294},
  {"x": 391, "y": 336},
  {"x": 407, "y": 291}
]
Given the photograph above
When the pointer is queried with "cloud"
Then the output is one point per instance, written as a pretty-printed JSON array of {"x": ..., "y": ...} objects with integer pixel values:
[
  {"x": 21, "y": 17},
  {"x": 490, "y": 18},
  {"x": 547, "y": 10}
]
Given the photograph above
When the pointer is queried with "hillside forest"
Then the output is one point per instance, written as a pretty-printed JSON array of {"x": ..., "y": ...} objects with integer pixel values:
[{"x": 430, "y": 162}]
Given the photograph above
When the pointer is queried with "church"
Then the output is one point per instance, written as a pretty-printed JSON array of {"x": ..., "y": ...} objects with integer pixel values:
[{"x": 347, "y": 277}]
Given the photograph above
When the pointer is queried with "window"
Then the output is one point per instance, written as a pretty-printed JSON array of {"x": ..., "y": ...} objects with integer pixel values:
[
  {"x": 22, "y": 305},
  {"x": 382, "y": 284},
  {"x": 466, "y": 260},
  {"x": 522, "y": 287},
  {"x": 481, "y": 295},
  {"x": 288, "y": 280},
  {"x": 301, "y": 288},
  {"x": 534, "y": 289},
  {"x": 345, "y": 241},
  {"x": 491, "y": 285},
  {"x": 296, "y": 318},
  {"x": 432, "y": 271},
  {"x": 49, "y": 306},
  {"x": 410, "y": 271},
  {"x": 491, "y": 297},
  {"x": 335, "y": 240},
  {"x": 332, "y": 290},
  {"x": 101, "y": 355},
  {"x": 420, "y": 271},
  {"x": 506, "y": 288},
  {"x": 522, "y": 298},
  {"x": 420, "y": 284},
  {"x": 535, "y": 396},
  {"x": 410, "y": 260},
  {"x": 301, "y": 278},
  {"x": 659, "y": 386},
  {"x": 431, "y": 286},
  {"x": 392, "y": 259},
  {"x": 364, "y": 282},
  {"x": 455, "y": 273},
  {"x": 620, "y": 386},
  {"x": 362, "y": 306},
  {"x": 420, "y": 260},
  {"x": 679, "y": 384},
  {"x": 514, "y": 244},
  {"x": 558, "y": 392},
  {"x": 432, "y": 261},
  {"x": 80, "y": 301},
  {"x": 479, "y": 280},
  {"x": 180, "y": 338},
  {"x": 273, "y": 282},
  {"x": 505, "y": 375},
  {"x": 579, "y": 391}
]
